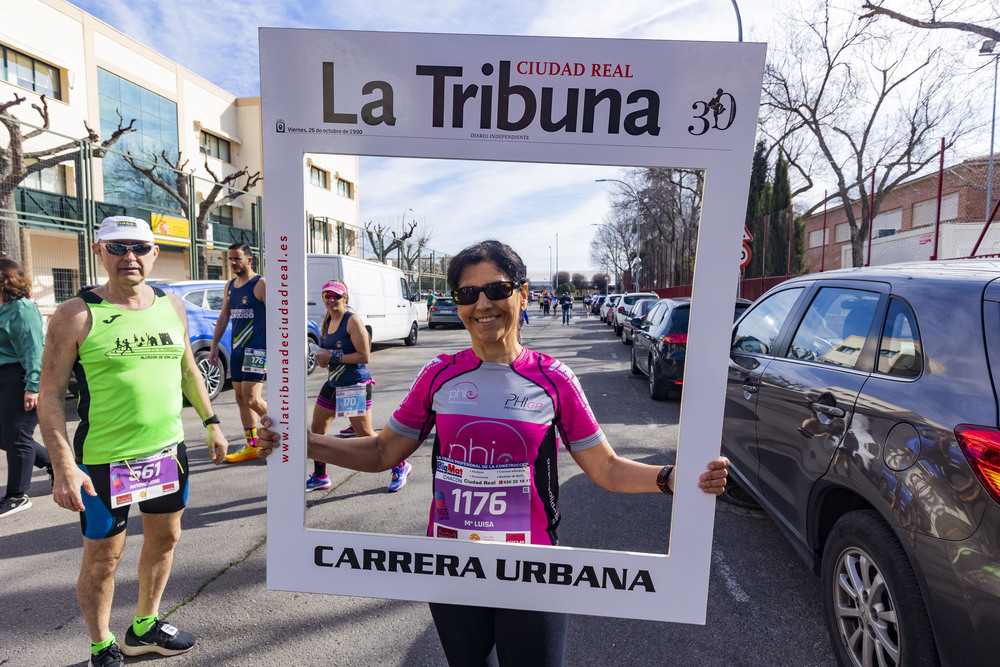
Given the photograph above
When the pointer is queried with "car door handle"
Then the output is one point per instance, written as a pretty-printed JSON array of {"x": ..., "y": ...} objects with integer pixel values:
[
  {"x": 828, "y": 410},
  {"x": 750, "y": 387}
]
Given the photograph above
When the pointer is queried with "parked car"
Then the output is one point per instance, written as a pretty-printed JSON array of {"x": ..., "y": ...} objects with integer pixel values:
[
  {"x": 622, "y": 305},
  {"x": 634, "y": 317},
  {"x": 596, "y": 303},
  {"x": 606, "y": 307},
  {"x": 659, "y": 344},
  {"x": 444, "y": 310},
  {"x": 861, "y": 413},
  {"x": 203, "y": 301}
]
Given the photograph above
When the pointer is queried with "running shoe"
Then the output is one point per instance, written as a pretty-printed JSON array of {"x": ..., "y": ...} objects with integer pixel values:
[
  {"x": 399, "y": 475},
  {"x": 248, "y": 453},
  {"x": 109, "y": 656},
  {"x": 162, "y": 638},
  {"x": 348, "y": 431},
  {"x": 14, "y": 505},
  {"x": 315, "y": 483}
]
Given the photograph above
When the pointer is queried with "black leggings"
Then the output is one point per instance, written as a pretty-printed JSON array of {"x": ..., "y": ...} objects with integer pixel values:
[{"x": 468, "y": 635}]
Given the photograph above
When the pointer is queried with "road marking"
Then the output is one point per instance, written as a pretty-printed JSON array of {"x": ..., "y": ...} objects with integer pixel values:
[{"x": 734, "y": 588}]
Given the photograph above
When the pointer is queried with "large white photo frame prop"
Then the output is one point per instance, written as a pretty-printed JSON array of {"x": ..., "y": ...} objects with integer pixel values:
[{"x": 682, "y": 104}]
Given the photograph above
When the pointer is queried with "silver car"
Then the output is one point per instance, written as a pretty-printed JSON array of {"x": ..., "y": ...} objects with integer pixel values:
[{"x": 443, "y": 311}]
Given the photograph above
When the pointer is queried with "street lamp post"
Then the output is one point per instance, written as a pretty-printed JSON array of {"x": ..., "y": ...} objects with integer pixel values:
[
  {"x": 555, "y": 278},
  {"x": 638, "y": 218},
  {"x": 987, "y": 50},
  {"x": 550, "y": 266}
]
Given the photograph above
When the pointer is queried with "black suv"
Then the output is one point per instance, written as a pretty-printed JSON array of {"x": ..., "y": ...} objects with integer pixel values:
[{"x": 862, "y": 414}]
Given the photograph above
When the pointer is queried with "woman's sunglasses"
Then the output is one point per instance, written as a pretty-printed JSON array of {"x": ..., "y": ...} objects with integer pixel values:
[
  {"x": 332, "y": 295},
  {"x": 138, "y": 249},
  {"x": 466, "y": 296}
]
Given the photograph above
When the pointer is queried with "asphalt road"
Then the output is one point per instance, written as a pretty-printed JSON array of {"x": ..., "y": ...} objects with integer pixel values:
[{"x": 763, "y": 603}]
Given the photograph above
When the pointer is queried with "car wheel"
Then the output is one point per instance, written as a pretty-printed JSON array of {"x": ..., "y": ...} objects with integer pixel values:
[
  {"x": 625, "y": 339},
  {"x": 657, "y": 391},
  {"x": 310, "y": 358},
  {"x": 411, "y": 340},
  {"x": 213, "y": 375},
  {"x": 874, "y": 611},
  {"x": 431, "y": 325},
  {"x": 619, "y": 331},
  {"x": 635, "y": 367}
]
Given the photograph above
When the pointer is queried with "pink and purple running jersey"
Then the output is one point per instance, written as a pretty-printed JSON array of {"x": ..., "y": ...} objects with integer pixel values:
[{"x": 494, "y": 458}]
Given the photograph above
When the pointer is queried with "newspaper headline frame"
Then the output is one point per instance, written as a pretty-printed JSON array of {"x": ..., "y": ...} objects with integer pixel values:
[{"x": 642, "y": 103}]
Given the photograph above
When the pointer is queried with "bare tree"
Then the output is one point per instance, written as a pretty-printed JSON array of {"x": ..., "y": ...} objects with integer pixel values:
[
  {"x": 613, "y": 246},
  {"x": 867, "y": 99},
  {"x": 377, "y": 233},
  {"x": 938, "y": 13},
  {"x": 16, "y": 164},
  {"x": 579, "y": 281},
  {"x": 413, "y": 251},
  {"x": 224, "y": 190},
  {"x": 600, "y": 281}
]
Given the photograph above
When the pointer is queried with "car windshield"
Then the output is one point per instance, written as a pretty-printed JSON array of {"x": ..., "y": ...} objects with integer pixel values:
[
  {"x": 632, "y": 298},
  {"x": 444, "y": 303}
]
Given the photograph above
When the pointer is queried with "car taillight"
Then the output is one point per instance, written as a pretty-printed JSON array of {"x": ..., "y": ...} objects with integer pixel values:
[
  {"x": 433, "y": 309},
  {"x": 981, "y": 446},
  {"x": 621, "y": 309},
  {"x": 675, "y": 339}
]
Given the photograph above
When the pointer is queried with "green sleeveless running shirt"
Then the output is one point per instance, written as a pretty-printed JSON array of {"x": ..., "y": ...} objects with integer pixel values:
[{"x": 129, "y": 373}]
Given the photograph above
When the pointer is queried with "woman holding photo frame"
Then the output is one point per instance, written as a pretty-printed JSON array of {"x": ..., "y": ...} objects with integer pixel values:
[{"x": 496, "y": 409}]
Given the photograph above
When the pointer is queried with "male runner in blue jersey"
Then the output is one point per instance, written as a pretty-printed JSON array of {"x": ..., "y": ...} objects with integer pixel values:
[{"x": 244, "y": 303}]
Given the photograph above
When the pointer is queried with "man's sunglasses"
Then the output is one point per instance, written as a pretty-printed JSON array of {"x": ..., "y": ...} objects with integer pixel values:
[
  {"x": 138, "y": 249},
  {"x": 466, "y": 296},
  {"x": 332, "y": 295}
]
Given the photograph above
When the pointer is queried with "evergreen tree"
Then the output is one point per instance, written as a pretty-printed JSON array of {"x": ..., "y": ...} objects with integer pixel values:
[
  {"x": 778, "y": 221},
  {"x": 755, "y": 214}
]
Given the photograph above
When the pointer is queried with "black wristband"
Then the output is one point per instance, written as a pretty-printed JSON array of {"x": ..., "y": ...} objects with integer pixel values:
[
  {"x": 663, "y": 480},
  {"x": 214, "y": 419}
]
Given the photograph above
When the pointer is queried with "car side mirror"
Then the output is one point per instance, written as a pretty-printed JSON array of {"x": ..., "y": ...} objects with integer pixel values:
[{"x": 636, "y": 322}]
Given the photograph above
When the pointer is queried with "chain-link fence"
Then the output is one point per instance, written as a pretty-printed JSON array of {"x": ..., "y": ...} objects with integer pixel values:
[{"x": 946, "y": 214}]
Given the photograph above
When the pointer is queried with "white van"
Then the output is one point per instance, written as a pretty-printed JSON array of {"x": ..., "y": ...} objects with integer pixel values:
[{"x": 378, "y": 293}]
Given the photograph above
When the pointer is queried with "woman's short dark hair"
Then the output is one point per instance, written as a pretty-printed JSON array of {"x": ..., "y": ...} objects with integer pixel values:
[
  {"x": 501, "y": 254},
  {"x": 13, "y": 283}
]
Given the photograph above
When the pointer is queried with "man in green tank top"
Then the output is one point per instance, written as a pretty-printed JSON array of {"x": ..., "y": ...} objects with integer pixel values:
[{"x": 128, "y": 346}]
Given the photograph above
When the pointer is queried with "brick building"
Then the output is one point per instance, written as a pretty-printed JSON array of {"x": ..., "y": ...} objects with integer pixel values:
[{"x": 903, "y": 228}]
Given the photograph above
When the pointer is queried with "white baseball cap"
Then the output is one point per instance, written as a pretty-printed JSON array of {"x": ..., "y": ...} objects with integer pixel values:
[{"x": 123, "y": 227}]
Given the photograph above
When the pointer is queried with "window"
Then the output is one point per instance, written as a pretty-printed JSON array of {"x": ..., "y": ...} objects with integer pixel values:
[
  {"x": 656, "y": 314},
  {"x": 214, "y": 146},
  {"x": 757, "y": 332},
  {"x": 842, "y": 233},
  {"x": 52, "y": 180},
  {"x": 223, "y": 215},
  {"x": 196, "y": 298},
  {"x": 319, "y": 178},
  {"x": 214, "y": 299},
  {"x": 345, "y": 188},
  {"x": 835, "y": 327},
  {"x": 925, "y": 212},
  {"x": 156, "y": 132},
  {"x": 24, "y": 71},
  {"x": 887, "y": 223},
  {"x": 65, "y": 283},
  {"x": 899, "y": 352}
]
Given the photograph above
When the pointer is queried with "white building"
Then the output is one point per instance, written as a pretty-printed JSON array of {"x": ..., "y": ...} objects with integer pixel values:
[{"x": 90, "y": 72}]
